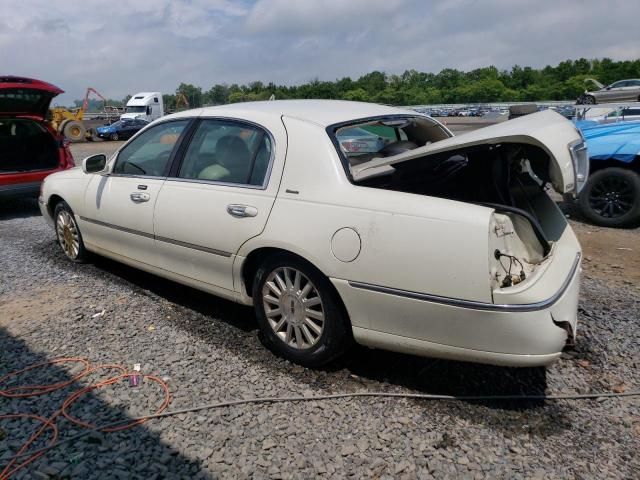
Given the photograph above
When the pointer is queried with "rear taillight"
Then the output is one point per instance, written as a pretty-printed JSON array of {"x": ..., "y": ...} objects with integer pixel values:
[
  {"x": 352, "y": 146},
  {"x": 580, "y": 159}
]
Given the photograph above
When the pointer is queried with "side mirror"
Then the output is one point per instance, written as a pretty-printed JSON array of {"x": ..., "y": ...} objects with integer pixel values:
[{"x": 94, "y": 163}]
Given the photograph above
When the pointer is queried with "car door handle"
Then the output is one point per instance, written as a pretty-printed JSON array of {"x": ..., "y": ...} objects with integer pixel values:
[
  {"x": 140, "y": 197},
  {"x": 240, "y": 211}
]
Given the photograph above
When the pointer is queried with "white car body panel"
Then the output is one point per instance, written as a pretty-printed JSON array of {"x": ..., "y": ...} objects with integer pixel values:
[
  {"x": 108, "y": 200},
  {"x": 416, "y": 274}
]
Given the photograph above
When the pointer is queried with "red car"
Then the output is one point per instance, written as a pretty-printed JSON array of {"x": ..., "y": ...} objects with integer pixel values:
[{"x": 30, "y": 149}]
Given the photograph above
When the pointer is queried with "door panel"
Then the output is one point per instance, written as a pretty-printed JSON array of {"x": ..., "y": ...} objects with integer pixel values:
[
  {"x": 197, "y": 237},
  {"x": 218, "y": 200},
  {"x": 115, "y": 221},
  {"x": 118, "y": 208}
]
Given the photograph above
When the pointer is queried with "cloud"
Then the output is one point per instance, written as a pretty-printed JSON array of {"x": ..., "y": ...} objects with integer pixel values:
[{"x": 123, "y": 47}]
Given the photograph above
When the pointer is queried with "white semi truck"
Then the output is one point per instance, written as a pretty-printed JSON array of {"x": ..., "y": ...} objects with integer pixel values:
[{"x": 144, "y": 106}]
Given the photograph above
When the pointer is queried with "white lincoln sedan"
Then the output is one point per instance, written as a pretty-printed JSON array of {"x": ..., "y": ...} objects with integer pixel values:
[{"x": 432, "y": 244}]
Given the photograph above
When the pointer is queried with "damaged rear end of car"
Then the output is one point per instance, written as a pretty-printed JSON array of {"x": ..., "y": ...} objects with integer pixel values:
[{"x": 532, "y": 256}]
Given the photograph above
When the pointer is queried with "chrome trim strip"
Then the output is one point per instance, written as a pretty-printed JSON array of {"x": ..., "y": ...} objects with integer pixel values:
[
  {"x": 117, "y": 227},
  {"x": 471, "y": 304},
  {"x": 192, "y": 246},
  {"x": 216, "y": 182},
  {"x": 160, "y": 239}
]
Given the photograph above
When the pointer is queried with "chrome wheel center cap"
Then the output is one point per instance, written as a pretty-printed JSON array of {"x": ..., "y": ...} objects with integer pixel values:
[{"x": 292, "y": 308}]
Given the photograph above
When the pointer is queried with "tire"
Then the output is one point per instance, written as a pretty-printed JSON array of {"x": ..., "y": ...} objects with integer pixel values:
[
  {"x": 68, "y": 234},
  {"x": 611, "y": 198},
  {"x": 589, "y": 100},
  {"x": 74, "y": 131},
  {"x": 301, "y": 338},
  {"x": 114, "y": 137}
]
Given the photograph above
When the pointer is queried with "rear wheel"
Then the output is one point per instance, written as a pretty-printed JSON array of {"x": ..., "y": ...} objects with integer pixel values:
[
  {"x": 611, "y": 198},
  {"x": 74, "y": 131},
  {"x": 300, "y": 315},
  {"x": 114, "y": 136},
  {"x": 68, "y": 233}
]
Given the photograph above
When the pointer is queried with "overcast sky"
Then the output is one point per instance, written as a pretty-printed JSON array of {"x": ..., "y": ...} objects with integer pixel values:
[{"x": 122, "y": 47}]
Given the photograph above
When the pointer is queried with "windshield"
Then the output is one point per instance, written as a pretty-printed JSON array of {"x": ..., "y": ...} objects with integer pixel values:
[{"x": 136, "y": 109}]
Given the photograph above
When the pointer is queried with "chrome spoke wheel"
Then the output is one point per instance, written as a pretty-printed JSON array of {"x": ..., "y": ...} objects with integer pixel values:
[
  {"x": 68, "y": 235},
  {"x": 293, "y": 307}
]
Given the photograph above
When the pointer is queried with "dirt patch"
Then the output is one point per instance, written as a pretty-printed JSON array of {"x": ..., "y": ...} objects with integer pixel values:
[
  {"x": 610, "y": 254},
  {"x": 21, "y": 309}
]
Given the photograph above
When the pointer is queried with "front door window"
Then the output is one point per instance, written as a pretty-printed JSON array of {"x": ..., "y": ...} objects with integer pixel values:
[{"x": 149, "y": 153}]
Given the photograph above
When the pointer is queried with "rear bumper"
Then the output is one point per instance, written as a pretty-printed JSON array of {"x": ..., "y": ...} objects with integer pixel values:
[{"x": 513, "y": 335}]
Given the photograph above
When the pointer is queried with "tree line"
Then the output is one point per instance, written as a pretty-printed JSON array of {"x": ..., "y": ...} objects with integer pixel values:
[{"x": 565, "y": 81}]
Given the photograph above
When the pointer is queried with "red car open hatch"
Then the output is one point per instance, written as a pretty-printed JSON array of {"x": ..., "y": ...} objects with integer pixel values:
[{"x": 26, "y": 97}]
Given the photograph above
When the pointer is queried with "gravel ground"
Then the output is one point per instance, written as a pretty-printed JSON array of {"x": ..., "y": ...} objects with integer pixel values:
[{"x": 208, "y": 350}]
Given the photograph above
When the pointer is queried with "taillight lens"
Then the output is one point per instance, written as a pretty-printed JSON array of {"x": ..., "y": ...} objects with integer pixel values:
[{"x": 580, "y": 159}]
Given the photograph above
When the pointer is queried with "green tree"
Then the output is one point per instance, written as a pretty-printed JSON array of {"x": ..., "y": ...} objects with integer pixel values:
[{"x": 193, "y": 94}]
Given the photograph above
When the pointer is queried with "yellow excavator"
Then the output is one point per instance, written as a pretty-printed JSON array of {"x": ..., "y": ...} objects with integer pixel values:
[{"x": 69, "y": 121}]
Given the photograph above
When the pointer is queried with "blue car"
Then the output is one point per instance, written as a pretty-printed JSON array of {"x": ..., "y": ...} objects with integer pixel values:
[
  {"x": 611, "y": 196},
  {"x": 121, "y": 130}
]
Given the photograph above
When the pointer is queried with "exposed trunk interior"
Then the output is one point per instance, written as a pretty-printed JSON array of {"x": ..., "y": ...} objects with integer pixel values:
[
  {"x": 495, "y": 174},
  {"x": 26, "y": 145},
  {"x": 510, "y": 178}
]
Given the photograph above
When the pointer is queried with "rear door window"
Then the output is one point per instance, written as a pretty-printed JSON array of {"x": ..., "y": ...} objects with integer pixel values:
[{"x": 227, "y": 152}]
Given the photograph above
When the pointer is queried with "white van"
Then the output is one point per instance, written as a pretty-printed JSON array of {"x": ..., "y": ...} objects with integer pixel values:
[{"x": 144, "y": 106}]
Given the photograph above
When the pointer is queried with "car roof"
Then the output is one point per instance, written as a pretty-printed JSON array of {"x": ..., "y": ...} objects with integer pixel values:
[{"x": 320, "y": 112}]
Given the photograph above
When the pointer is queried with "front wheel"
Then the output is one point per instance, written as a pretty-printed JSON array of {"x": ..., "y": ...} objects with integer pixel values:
[
  {"x": 299, "y": 313},
  {"x": 68, "y": 233},
  {"x": 611, "y": 198},
  {"x": 589, "y": 100}
]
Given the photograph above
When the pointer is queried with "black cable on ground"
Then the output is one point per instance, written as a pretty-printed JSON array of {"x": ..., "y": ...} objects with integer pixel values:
[{"x": 417, "y": 396}]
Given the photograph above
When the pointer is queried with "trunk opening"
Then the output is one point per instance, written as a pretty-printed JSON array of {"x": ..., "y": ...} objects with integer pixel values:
[
  {"x": 511, "y": 179},
  {"x": 26, "y": 145},
  {"x": 509, "y": 175}
]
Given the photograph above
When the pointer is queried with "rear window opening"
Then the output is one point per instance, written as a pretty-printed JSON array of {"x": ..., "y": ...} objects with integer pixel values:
[
  {"x": 362, "y": 142},
  {"x": 26, "y": 145}
]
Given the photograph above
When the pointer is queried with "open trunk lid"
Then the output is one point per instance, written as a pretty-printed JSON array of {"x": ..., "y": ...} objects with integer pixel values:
[
  {"x": 25, "y": 97},
  {"x": 548, "y": 130}
]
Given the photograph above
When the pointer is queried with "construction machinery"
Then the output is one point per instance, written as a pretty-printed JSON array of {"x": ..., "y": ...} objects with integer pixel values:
[
  {"x": 69, "y": 121},
  {"x": 181, "y": 102}
]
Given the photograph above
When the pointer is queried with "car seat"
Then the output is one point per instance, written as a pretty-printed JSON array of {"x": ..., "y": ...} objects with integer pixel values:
[{"x": 233, "y": 155}]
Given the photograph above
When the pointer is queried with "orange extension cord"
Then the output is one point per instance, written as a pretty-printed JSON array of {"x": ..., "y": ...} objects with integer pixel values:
[
  {"x": 30, "y": 390},
  {"x": 24, "y": 391}
]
